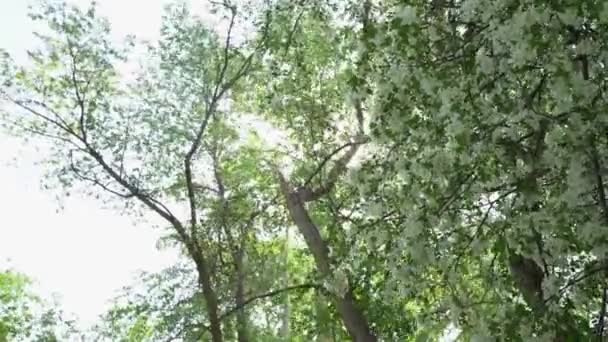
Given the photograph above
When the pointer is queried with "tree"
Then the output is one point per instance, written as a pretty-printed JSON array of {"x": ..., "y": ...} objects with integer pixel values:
[
  {"x": 490, "y": 142},
  {"x": 15, "y": 311},
  {"x": 112, "y": 136},
  {"x": 165, "y": 306},
  {"x": 26, "y": 317}
]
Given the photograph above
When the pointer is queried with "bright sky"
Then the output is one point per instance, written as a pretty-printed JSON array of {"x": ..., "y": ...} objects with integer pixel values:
[{"x": 83, "y": 253}]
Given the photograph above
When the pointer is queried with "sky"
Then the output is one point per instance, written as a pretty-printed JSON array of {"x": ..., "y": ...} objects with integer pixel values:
[{"x": 83, "y": 253}]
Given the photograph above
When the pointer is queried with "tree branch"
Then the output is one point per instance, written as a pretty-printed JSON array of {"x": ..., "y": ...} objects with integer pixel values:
[
  {"x": 592, "y": 269},
  {"x": 43, "y": 134},
  {"x": 61, "y": 124},
  {"x": 221, "y": 88},
  {"x": 307, "y": 194},
  {"x": 267, "y": 295},
  {"x": 77, "y": 92},
  {"x": 224, "y": 67},
  {"x": 601, "y": 192},
  {"x": 602, "y": 314},
  {"x": 95, "y": 181},
  {"x": 250, "y": 300}
]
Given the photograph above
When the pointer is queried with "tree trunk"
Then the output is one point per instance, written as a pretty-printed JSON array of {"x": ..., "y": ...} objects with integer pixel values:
[
  {"x": 285, "y": 318},
  {"x": 354, "y": 320},
  {"x": 241, "y": 315},
  {"x": 204, "y": 280}
]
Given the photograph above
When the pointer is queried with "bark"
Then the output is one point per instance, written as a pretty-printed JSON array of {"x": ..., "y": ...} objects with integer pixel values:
[
  {"x": 204, "y": 280},
  {"x": 528, "y": 278},
  {"x": 241, "y": 315},
  {"x": 353, "y": 318},
  {"x": 285, "y": 318}
]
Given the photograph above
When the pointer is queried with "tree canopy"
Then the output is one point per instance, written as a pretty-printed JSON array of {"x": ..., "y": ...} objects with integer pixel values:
[
  {"x": 24, "y": 316},
  {"x": 333, "y": 169}
]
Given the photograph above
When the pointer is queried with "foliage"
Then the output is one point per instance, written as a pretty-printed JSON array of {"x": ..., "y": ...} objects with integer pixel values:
[
  {"x": 15, "y": 313},
  {"x": 26, "y": 317}
]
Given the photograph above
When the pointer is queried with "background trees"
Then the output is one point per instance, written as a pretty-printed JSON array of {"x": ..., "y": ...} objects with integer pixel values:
[
  {"x": 26, "y": 317},
  {"x": 442, "y": 161}
]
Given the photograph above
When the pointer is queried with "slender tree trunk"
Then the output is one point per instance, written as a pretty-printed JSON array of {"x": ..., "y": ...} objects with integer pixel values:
[
  {"x": 353, "y": 318},
  {"x": 204, "y": 280},
  {"x": 241, "y": 315},
  {"x": 285, "y": 322}
]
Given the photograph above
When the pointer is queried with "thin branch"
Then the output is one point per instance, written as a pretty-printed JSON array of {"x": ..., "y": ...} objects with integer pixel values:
[
  {"x": 267, "y": 295},
  {"x": 124, "y": 147},
  {"x": 58, "y": 124},
  {"x": 222, "y": 71},
  {"x": 308, "y": 194},
  {"x": 594, "y": 268},
  {"x": 246, "y": 65},
  {"x": 325, "y": 161},
  {"x": 602, "y": 315},
  {"x": 292, "y": 32},
  {"x": 97, "y": 182},
  {"x": 50, "y": 110},
  {"x": 191, "y": 196},
  {"x": 478, "y": 231},
  {"x": 219, "y": 88},
  {"x": 362, "y": 63},
  {"x": 597, "y": 170},
  {"x": 535, "y": 93},
  {"x": 78, "y": 94},
  {"x": 201, "y": 187},
  {"x": 597, "y": 167},
  {"x": 219, "y": 91},
  {"x": 44, "y": 134},
  {"x": 455, "y": 195},
  {"x": 221, "y": 194},
  {"x": 250, "y": 300},
  {"x": 153, "y": 204}
]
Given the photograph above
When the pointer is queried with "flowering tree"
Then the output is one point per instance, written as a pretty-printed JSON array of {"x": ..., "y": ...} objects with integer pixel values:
[{"x": 490, "y": 139}]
